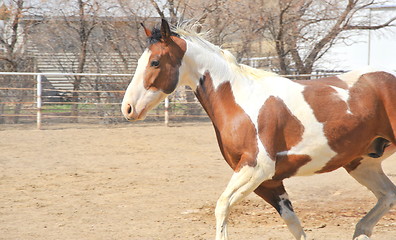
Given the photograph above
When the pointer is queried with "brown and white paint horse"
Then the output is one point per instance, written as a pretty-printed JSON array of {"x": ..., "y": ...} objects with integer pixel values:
[{"x": 270, "y": 128}]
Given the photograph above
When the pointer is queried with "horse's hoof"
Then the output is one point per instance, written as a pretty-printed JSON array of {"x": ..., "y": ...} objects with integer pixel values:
[{"x": 362, "y": 237}]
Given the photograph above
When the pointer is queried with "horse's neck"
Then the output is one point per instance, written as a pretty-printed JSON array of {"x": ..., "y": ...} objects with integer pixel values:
[
  {"x": 198, "y": 60},
  {"x": 218, "y": 84}
]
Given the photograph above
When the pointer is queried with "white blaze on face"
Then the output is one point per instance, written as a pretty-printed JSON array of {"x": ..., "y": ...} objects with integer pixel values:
[{"x": 137, "y": 99}]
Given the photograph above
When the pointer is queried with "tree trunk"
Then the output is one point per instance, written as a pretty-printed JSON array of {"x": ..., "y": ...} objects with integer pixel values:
[{"x": 77, "y": 81}]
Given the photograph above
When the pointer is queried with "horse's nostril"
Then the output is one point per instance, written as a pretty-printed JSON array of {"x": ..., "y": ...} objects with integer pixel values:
[{"x": 128, "y": 111}]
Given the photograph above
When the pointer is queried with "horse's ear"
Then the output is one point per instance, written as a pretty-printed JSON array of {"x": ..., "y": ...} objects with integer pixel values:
[
  {"x": 165, "y": 30},
  {"x": 147, "y": 31}
]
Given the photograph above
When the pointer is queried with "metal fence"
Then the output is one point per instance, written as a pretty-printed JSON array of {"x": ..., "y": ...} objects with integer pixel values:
[{"x": 32, "y": 98}]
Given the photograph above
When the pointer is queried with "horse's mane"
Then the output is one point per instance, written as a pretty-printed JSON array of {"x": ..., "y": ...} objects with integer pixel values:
[{"x": 189, "y": 32}]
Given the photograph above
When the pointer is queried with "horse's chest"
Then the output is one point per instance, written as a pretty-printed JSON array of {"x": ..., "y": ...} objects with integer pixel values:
[{"x": 238, "y": 144}]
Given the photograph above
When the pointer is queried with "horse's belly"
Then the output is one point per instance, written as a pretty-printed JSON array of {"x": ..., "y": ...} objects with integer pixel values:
[
  {"x": 330, "y": 163},
  {"x": 319, "y": 155},
  {"x": 308, "y": 170}
]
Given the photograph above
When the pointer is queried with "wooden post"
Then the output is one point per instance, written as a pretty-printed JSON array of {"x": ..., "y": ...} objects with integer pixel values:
[{"x": 39, "y": 101}]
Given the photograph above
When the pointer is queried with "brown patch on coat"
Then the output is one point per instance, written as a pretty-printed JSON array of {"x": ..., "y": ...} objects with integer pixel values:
[
  {"x": 165, "y": 76},
  {"x": 326, "y": 81},
  {"x": 270, "y": 191},
  {"x": 351, "y": 135},
  {"x": 279, "y": 130},
  {"x": 236, "y": 133},
  {"x": 288, "y": 165}
]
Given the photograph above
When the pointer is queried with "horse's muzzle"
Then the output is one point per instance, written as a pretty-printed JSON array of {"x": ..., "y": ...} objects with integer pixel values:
[{"x": 131, "y": 114}]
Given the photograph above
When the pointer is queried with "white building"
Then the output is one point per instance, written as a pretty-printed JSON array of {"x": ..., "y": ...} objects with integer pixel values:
[{"x": 376, "y": 48}]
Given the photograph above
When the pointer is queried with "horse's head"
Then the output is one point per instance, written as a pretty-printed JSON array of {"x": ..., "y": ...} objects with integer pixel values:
[{"x": 157, "y": 72}]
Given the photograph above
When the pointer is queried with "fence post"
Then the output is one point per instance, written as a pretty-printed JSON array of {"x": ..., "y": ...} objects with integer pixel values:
[
  {"x": 166, "y": 111},
  {"x": 39, "y": 101}
]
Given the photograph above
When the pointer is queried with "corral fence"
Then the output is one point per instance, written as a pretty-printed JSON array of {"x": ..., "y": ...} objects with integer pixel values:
[{"x": 33, "y": 98}]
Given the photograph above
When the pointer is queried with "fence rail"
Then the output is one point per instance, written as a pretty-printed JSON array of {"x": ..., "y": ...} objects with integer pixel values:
[
  {"x": 30, "y": 97},
  {"x": 27, "y": 97}
]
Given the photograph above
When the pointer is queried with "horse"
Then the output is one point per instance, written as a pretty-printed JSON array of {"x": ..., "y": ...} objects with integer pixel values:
[{"x": 270, "y": 128}]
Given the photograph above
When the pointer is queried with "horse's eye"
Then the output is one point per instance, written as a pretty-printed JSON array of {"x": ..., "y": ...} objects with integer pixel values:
[{"x": 155, "y": 63}]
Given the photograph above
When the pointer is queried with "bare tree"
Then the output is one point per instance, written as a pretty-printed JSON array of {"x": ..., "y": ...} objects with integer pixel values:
[
  {"x": 69, "y": 30},
  {"x": 86, "y": 22},
  {"x": 304, "y": 30},
  {"x": 175, "y": 9},
  {"x": 131, "y": 37},
  {"x": 14, "y": 31},
  {"x": 13, "y": 34}
]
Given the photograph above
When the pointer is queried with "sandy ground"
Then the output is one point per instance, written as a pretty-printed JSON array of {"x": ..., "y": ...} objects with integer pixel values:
[{"x": 149, "y": 182}]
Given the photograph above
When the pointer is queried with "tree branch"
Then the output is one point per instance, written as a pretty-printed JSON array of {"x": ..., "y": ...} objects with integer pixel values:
[
  {"x": 6, "y": 59},
  {"x": 375, "y": 27},
  {"x": 5, "y": 44},
  {"x": 159, "y": 11},
  {"x": 331, "y": 35}
]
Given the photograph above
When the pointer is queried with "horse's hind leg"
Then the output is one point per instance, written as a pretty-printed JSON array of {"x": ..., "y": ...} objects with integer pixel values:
[
  {"x": 242, "y": 183},
  {"x": 274, "y": 193},
  {"x": 369, "y": 173}
]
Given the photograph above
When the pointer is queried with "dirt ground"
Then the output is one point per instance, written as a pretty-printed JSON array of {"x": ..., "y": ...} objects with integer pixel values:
[{"x": 146, "y": 182}]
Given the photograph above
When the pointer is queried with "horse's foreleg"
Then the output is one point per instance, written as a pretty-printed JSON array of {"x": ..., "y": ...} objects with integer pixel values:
[
  {"x": 275, "y": 194},
  {"x": 370, "y": 174},
  {"x": 241, "y": 184}
]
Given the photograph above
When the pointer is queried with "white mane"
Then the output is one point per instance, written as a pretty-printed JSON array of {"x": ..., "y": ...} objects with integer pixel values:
[{"x": 190, "y": 34}]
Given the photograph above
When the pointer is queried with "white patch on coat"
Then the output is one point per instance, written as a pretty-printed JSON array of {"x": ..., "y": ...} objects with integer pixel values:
[
  {"x": 136, "y": 86},
  {"x": 201, "y": 57},
  {"x": 344, "y": 96},
  {"x": 352, "y": 77},
  {"x": 251, "y": 95}
]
